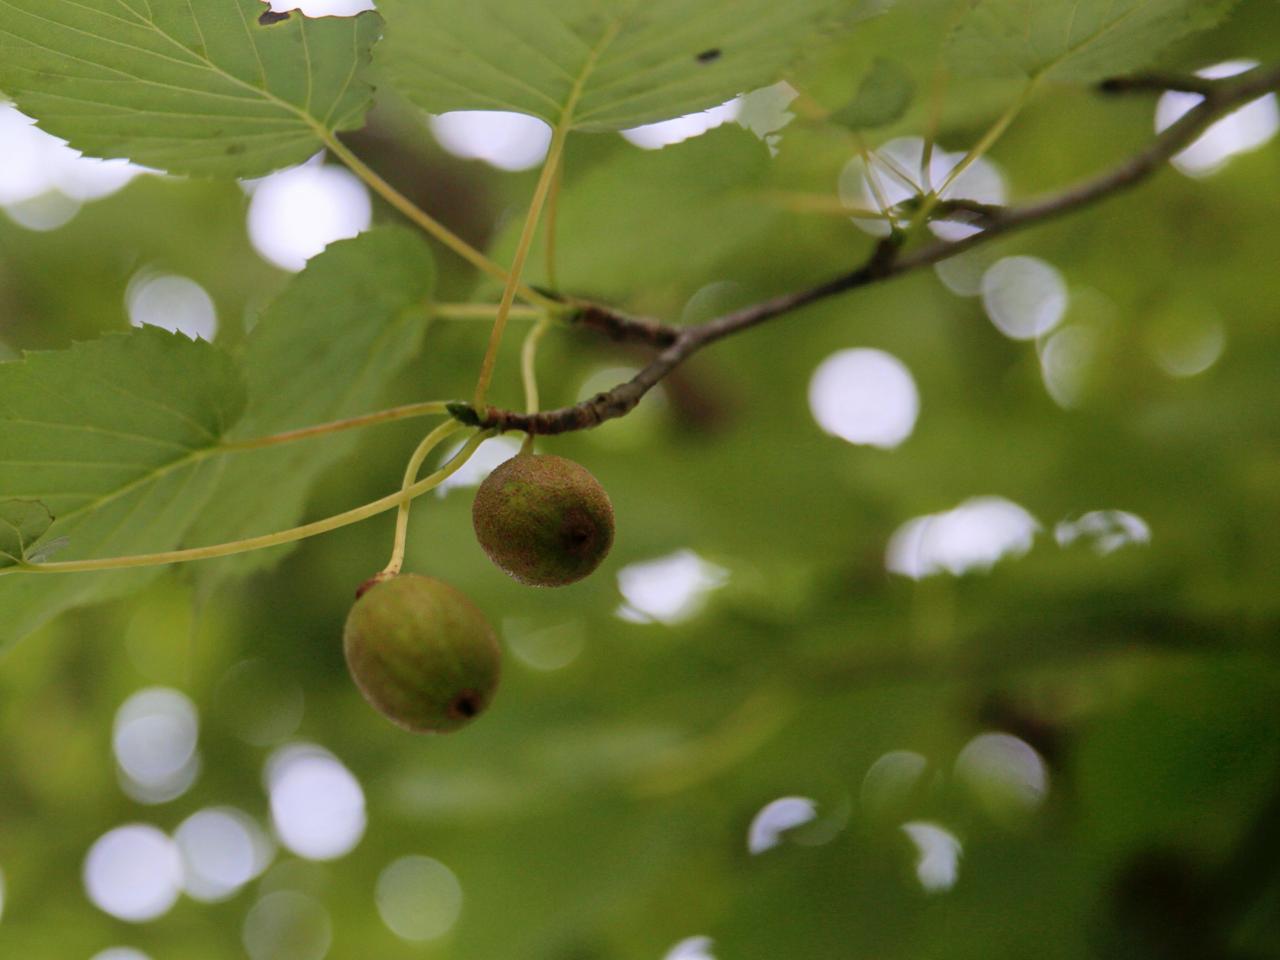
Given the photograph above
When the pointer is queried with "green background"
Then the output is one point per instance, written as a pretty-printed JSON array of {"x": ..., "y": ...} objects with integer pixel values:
[{"x": 600, "y": 810}]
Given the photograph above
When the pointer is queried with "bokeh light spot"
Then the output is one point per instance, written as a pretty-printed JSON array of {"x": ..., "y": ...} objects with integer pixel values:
[
  {"x": 502, "y": 139},
  {"x": 897, "y": 174},
  {"x": 172, "y": 302},
  {"x": 418, "y": 898},
  {"x": 655, "y": 136},
  {"x": 154, "y": 739},
  {"x": 222, "y": 850},
  {"x": 972, "y": 537},
  {"x": 1187, "y": 339},
  {"x": 1065, "y": 363},
  {"x": 133, "y": 872},
  {"x": 891, "y": 781},
  {"x": 120, "y": 953},
  {"x": 286, "y": 925},
  {"x": 775, "y": 819},
  {"x": 43, "y": 181},
  {"x": 546, "y": 648},
  {"x": 296, "y": 213},
  {"x": 865, "y": 397},
  {"x": 488, "y": 457},
  {"x": 937, "y": 855},
  {"x": 1004, "y": 774},
  {"x": 317, "y": 805},
  {"x": 323, "y": 8},
  {"x": 1025, "y": 297},
  {"x": 44, "y": 213},
  {"x": 1247, "y": 128},
  {"x": 1106, "y": 530},
  {"x": 668, "y": 590},
  {"x": 691, "y": 948}
]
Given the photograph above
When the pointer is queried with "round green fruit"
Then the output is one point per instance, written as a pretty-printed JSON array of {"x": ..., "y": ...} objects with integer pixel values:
[
  {"x": 543, "y": 520},
  {"x": 421, "y": 653}
]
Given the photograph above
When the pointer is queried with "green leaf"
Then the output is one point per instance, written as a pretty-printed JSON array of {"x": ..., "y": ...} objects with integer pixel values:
[
  {"x": 1080, "y": 40},
  {"x": 883, "y": 96},
  {"x": 324, "y": 350},
  {"x": 631, "y": 62},
  {"x": 113, "y": 437},
  {"x": 190, "y": 86},
  {"x": 22, "y": 523},
  {"x": 641, "y": 220}
]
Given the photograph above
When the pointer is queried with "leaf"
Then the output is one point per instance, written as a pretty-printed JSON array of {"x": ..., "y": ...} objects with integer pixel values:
[
  {"x": 112, "y": 437},
  {"x": 633, "y": 62},
  {"x": 883, "y": 96},
  {"x": 323, "y": 350},
  {"x": 191, "y": 87},
  {"x": 22, "y": 523},
  {"x": 1080, "y": 40},
  {"x": 640, "y": 220}
]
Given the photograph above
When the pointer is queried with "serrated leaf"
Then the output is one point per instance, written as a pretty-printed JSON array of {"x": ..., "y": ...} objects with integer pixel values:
[
  {"x": 631, "y": 62},
  {"x": 189, "y": 86},
  {"x": 323, "y": 350},
  {"x": 1080, "y": 40},
  {"x": 114, "y": 438},
  {"x": 883, "y": 96},
  {"x": 22, "y": 523}
]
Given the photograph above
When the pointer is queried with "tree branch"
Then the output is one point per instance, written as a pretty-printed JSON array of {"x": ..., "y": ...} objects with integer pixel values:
[
  {"x": 886, "y": 261},
  {"x": 1158, "y": 82},
  {"x": 620, "y": 326}
]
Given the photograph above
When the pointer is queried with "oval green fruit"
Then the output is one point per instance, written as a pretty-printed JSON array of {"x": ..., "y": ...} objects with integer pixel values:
[
  {"x": 421, "y": 653},
  {"x": 543, "y": 520}
]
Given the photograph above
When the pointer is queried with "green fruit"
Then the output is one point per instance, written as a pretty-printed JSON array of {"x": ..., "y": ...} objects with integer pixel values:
[
  {"x": 421, "y": 653},
  {"x": 544, "y": 520}
]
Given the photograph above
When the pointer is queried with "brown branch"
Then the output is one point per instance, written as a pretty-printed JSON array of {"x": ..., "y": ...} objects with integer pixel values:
[
  {"x": 1158, "y": 83},
  {"x": 620, "y": 326},
  {"x": 886, "y": 261}
]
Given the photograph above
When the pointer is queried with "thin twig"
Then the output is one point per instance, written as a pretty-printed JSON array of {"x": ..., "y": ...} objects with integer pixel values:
[
  {"x": 1158, "y": 83},
  {"x": 621, "y": 326},
  {"x": 293, "y": 534},
  {"x": 422, "y": 219},
  {"x": 425, "y": 409},
  {"x": 678, "y": 344}
]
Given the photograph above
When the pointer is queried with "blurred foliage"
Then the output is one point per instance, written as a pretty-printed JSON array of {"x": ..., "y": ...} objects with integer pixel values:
[{"x": 600, "y": 810}]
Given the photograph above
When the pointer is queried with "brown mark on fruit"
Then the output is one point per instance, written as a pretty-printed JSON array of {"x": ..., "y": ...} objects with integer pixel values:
[
  {"x": 421, "y": 653},
  {"x": 578, "y": 532},
  {"x": 377, "y": 578},
  {"x": 466, "y": 705}
]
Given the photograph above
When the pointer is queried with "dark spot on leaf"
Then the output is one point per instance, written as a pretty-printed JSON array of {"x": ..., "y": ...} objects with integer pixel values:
[
  {"x": 234, "y": 148},
  {"x": 465, "y": 705},
  {"x": 269, "y": 17},
  {"x": 709, "y": 56}
]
